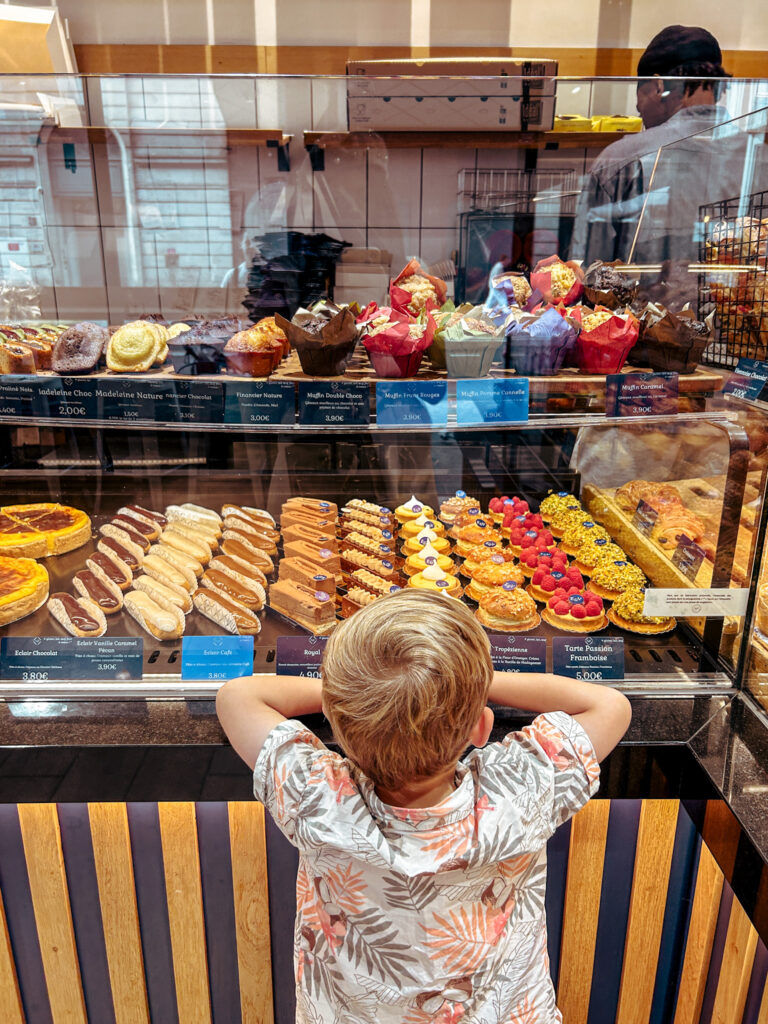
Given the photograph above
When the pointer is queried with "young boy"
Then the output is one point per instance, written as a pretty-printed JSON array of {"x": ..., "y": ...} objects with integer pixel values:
[{"x": 420, "y": 891}]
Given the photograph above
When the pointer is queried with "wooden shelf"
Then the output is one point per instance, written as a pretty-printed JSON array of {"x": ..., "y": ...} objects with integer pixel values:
[
  {"x": 461, "y": 140},
  {"x": 235, "y": 137}
]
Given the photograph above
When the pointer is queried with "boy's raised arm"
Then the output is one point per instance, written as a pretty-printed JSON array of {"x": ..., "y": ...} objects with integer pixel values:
[
  {"x": 249, "y": 708},
  {"x": 602, "y": 712}
]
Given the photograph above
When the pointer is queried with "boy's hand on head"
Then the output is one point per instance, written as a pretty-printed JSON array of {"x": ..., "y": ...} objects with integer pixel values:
[{"x": 249, "y": 708}]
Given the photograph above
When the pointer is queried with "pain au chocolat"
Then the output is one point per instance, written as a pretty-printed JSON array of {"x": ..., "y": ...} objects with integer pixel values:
[{"x": 42, "y": 529}]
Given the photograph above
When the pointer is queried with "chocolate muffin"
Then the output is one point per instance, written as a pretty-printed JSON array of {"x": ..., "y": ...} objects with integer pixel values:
[
  {"x": 79, "y": 348},
  {"x": 604, "y": 285}
]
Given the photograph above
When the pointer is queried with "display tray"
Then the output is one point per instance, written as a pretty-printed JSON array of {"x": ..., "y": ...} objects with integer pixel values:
[
  {"x": 674, "y": 654},
  {"x": 569, "y": 381}
]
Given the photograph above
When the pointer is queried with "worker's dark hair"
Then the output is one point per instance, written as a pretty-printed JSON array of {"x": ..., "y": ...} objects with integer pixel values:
[{"x": 697, "y": 76}]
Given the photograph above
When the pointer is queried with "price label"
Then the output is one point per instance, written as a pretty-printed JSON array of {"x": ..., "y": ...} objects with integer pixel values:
[
  {"x": 641, "y": 394},
  {"x": 123, "y": 399},
  {"x": 18, "y": 395},
  {"x": 687, "y": 557},
  {"x": 492, "y": 401},
  {"x": 334, "y": 403},
  {"x": 412, "y": 403},
  {"x": 644, "y": 518},
  {"x": 300, "y": 655},
  {"x": 183, "y": 400},
  {"x": 216, "y": 657},
  {"x": 519, "y": 653},
  {"x": 591, "y": 658},
  {"x": 36, "y": 659},
  {"x": 748, "y": 379},
  {"x": 259, "y": 402}
]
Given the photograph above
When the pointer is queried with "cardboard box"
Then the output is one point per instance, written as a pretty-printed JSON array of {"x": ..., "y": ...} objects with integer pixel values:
[
  {"x": 343, "y": 294},
  {"x": 445, "y": 113},
  {"x": 454, "y": 87},
  {"x": 357, "y": 255}
]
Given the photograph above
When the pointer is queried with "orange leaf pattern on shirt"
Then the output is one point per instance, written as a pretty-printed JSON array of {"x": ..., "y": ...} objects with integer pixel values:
[{"x": 425, "y": 915}]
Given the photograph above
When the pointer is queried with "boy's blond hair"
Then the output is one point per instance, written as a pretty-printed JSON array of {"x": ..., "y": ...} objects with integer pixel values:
[{"x": 404, "y": 681}]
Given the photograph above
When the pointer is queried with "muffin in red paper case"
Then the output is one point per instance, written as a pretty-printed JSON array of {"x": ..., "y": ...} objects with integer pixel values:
[
  {"x": 396, "y": 342},
  {"x": 414, "y": 291},
  {"x": 605, "y": 340},
  {"x": 558, "y": 281}
]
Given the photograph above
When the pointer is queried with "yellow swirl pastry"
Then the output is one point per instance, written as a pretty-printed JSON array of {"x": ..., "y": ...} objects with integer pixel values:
[
  {"x": 433, "y": 578},
  {"x": 412, "y": 509},
  {"x": 415, "y": 526},
  {"x": 136, "y": 346},
  {"x": 427, "y": 536},
  {"x": 429, "y": 556}
]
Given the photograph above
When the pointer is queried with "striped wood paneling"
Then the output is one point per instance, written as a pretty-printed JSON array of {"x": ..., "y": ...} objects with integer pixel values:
[
  {"x": 249, "y": 884},
  {"x": 701, "y": 932},
  {"x": 181, "y": 864},
  {"x": 589, "y": 829},
  {"x": 10, "y": 998},
  {"x": 53, "y": 916},
  {"x": 119, "y": 913},
  {"x": 653, "y": 858},
  {"x": 736, "y": 968}
]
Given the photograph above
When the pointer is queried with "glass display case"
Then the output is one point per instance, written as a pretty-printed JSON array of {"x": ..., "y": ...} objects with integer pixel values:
[{"x": 195, "y": 476}]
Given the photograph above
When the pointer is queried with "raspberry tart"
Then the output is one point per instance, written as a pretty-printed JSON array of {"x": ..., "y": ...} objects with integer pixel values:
[
  {"x": 546, "y": 582},
  {"x": 576, "y": 613},
  {"x": 531, "y": 560},
  {"x": 498, "y": 508},
  {"x": 526, "y": 521},
  {"x": 530, "y": 540}
]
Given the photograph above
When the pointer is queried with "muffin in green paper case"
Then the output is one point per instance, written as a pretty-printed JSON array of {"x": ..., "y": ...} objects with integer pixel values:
[
  {"x": 447, "y": 315},
  {"x": 471, "y": 342}
]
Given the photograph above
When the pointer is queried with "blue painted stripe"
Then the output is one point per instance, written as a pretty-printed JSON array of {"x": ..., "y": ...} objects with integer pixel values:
[
  {"x": 219, "y": 910},
  {"x": 615, "y": 893},
  {"x": 677, "y": 915},
  {"x": 756, "y": 985},
  {"x": 147, "y": 852},
  {"x": 20, "y": 915},
  {"x": 282, "y": 867},
  {"x": 83, "y": 887},
  {"x": 557, "y": 873},
  {"x": 716, "y": 958}
]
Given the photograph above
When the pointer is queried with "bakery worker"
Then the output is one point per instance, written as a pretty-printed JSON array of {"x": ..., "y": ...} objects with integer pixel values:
[{"x": 676, "y": 98}]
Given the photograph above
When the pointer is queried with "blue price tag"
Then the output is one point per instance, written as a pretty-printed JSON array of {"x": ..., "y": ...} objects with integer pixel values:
[
  {"x": 641, "y": 394},
  {"x": 595, "y": 659},
  {"x": 748, "y": 379},
  {"x": 216, "y": 657},
  {"x": 256, "y": 402},
  {"x": 325, "y": 403},
  {"x": 502, "y": 400},
  {"x": 35, "y": 658},
  {"x": 300, "y": 655},
  {"x": 412, "y": 403},
  {"x": 519, "y": 653}
]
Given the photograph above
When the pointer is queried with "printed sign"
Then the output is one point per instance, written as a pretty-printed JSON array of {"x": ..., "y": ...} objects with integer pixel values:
[
  {"x": 334, "y": 403},
  {"x": 503, "y": 400},
  {"x": 259, "y": 402},
  {"x": 18, "y": 395},
  {"x": 216, "y": 657},
  {"x": 411, "y": 403},
  {"x": 687, "y": 557},
  {"x": 691, "y": 602},
  {"x": 644, "y": 518},
  {"x": 36, "y": 659},
  {"x": 300, "y": 655},
  {"x": 519, "y": 653},
  {"x": 748, "y": 379},
  {"x": 183, "y": 400},
  {"x": 592, "y": 658},
  {"x": 641, "y": 394},
  {"x": 122, "y": 400}
]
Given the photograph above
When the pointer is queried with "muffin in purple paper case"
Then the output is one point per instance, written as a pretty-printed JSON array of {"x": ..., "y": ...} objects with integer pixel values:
[{"x": 538, "y": 342}]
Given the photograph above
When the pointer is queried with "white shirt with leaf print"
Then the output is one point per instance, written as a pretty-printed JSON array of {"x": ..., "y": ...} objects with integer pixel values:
[{"x": 425, "y": 915}]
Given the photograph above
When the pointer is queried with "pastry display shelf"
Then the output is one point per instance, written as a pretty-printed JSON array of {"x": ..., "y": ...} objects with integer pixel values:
[
  {"x": 100, "y": 134},
  {"x": 460, "y": 140}
]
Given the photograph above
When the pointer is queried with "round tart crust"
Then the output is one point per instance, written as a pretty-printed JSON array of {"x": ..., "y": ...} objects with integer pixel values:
[
  {"x": 574, "y": 625},
  {"x": 646, "y": 628}
]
